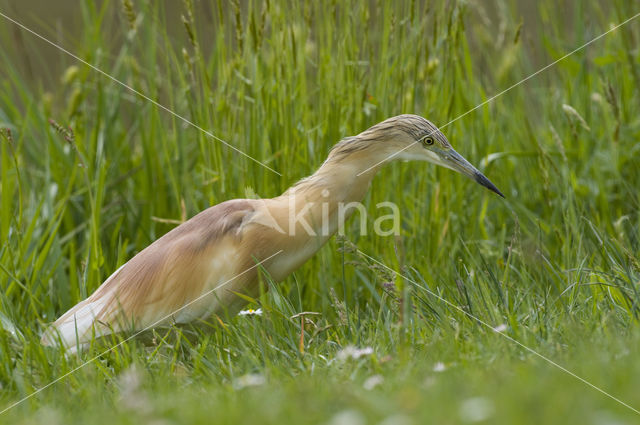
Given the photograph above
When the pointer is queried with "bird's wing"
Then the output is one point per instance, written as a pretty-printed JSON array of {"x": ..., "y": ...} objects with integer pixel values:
[{"x": 190, "y": 260}]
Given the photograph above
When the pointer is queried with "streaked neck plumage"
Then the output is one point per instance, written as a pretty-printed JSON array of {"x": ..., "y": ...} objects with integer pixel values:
[{"x": 322, "y": 199}]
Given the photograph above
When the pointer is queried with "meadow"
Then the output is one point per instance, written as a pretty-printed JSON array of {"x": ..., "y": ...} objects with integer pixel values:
[{"x": 483, "y": 310}]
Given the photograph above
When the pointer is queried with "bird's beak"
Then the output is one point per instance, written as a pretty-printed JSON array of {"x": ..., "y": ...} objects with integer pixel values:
[{"x": 455, "y": 161}]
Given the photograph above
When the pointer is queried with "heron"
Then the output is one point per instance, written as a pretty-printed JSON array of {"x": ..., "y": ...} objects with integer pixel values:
[{"x": 215, "y": 253}]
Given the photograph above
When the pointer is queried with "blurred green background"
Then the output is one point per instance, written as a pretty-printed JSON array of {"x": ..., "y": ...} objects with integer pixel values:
[{"x": 91, "y": 173}]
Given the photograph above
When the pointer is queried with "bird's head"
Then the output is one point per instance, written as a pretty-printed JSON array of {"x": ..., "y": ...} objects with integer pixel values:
[{"x": 412, "y": 137}]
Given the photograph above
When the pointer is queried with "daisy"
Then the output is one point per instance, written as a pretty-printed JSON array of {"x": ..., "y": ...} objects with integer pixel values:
[{"x": 250, "y": 312}]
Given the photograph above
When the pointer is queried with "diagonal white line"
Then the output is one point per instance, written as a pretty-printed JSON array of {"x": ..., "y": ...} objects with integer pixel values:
[
  {"x": 482, "y": 322},
  {"x": 142, "y": 95},
  {"x": 492, "y": 98},
  {"x": 134, "y": 335}
]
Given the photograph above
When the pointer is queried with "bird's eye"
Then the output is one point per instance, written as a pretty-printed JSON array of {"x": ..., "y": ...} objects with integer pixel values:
[{"x": 427, "y": 141}]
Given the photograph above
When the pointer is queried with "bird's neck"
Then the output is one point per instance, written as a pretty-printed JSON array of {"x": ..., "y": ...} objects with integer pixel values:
[
  {"x": 318, "y": 205},
  {"x": 312, "y": 210},
  {"x": 336, "y": 182}
]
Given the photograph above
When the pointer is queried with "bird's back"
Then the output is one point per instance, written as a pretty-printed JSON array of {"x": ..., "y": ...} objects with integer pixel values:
[{"x": 155, "y": 285}]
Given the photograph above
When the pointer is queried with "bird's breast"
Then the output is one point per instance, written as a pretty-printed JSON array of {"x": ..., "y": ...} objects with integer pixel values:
[{"x": 293, "y": 255}]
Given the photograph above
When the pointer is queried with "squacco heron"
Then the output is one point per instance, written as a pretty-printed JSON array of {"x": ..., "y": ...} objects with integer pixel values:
[{"x": 215, "y": 252}]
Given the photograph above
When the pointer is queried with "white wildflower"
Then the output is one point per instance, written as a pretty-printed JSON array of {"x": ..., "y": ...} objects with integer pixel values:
[
  {"x": 500, "y": 328},
  {"x": 476, "y": 409},
  {"x": 439, "y": 367},
  {"x": 249, "y": 380},
  {"x": 250, "y": 312},
  {"x": 347, "y": 417},
  {"x": 372, "y": 382},
  {"x": 353, "y": 352},
  {"x": 132, "y": 395}
]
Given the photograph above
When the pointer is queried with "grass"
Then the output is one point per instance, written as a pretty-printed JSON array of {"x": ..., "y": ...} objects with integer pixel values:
[{"x": 556, "y": 264}]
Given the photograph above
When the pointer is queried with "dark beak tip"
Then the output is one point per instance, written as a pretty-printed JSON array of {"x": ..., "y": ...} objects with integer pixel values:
[{"x": 482, "y": 180}]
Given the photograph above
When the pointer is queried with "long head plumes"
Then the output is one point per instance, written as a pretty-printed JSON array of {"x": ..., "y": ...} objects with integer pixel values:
[
  {"x": 396, "y": 132},
  {"x": 406, "y": 137}
]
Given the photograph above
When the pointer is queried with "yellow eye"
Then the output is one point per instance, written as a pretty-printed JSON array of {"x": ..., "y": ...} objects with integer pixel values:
[{"x": 427, "y": 141}]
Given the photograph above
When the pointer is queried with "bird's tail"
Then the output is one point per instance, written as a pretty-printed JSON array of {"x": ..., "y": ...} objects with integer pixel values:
[{"x": 77, "y": 326}]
